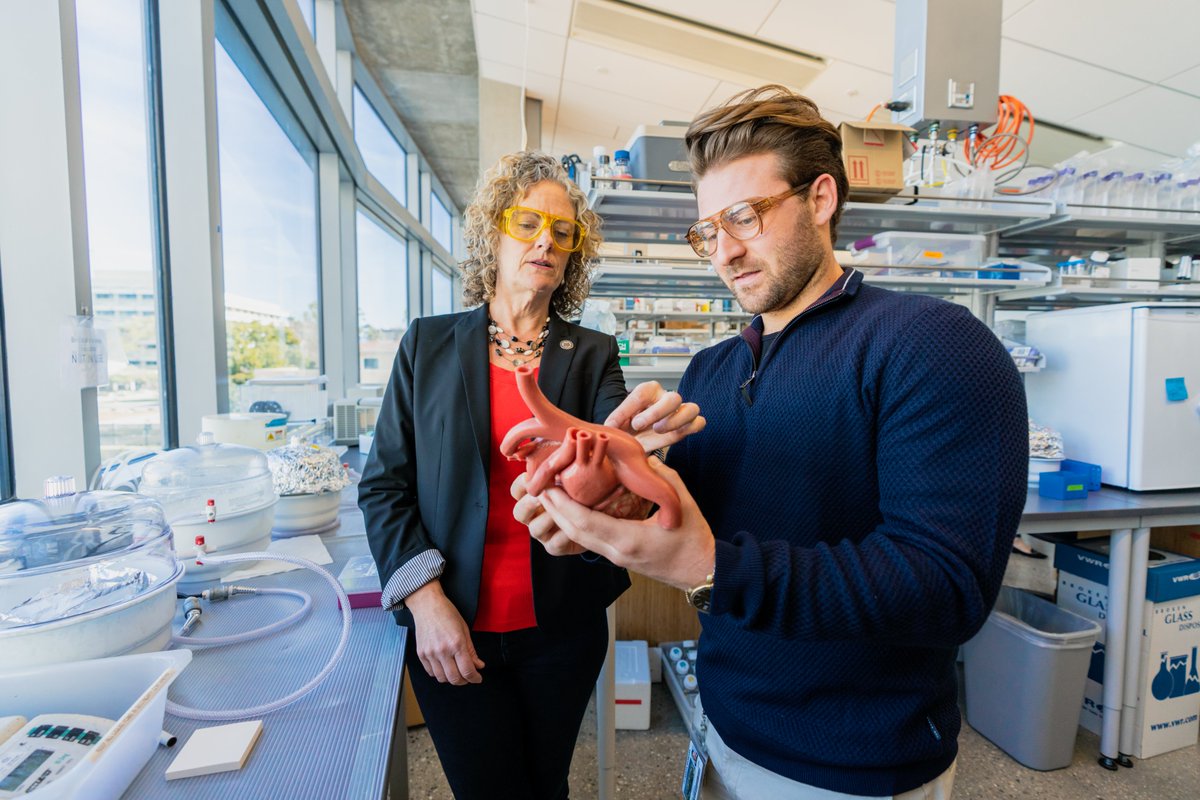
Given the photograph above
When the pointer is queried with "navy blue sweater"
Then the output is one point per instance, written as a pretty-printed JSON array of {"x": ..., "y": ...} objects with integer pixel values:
[{"x": 864, "y": 490}]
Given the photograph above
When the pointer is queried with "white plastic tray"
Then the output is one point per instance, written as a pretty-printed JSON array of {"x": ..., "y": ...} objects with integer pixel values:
[{"x": 130, "y": 689}]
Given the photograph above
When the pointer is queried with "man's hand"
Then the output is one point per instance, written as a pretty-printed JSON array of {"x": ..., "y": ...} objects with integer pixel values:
[
  {"x": 682, "y": 557},
  {"x": 443, "y": 638},
  {"x": 529, "y": 511},
  {"x": 658, "y": 418}
]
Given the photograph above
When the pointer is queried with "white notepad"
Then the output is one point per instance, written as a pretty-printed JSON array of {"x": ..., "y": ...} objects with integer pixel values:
[{"x": 218, "y": 749}]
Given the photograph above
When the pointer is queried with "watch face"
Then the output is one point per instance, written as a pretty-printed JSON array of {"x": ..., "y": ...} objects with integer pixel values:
[{"x": 701, "y": 598}]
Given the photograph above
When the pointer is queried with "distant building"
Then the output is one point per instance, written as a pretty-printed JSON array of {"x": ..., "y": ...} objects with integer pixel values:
[
  {"x": 125, "y": 305},
  {"x": 375, "y": 358},
  {"x": 247, "y": 309}
]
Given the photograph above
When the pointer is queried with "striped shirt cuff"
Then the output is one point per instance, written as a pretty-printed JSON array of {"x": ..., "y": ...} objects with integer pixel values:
[{"x": 420, "y": 570}]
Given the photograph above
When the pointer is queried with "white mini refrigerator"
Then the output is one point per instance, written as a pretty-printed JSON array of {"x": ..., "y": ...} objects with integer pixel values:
[{"x": 1122, "y": 384}]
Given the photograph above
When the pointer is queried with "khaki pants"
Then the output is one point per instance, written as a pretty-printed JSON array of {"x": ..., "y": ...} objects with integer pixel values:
[{"x": 731, "y": 777}]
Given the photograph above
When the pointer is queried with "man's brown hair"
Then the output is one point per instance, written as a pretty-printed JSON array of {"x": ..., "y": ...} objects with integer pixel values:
[{"x": 770, "y": 119}]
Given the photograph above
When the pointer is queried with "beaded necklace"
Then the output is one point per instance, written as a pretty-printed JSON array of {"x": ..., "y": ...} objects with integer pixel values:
[{"x": 512, "y": 350}]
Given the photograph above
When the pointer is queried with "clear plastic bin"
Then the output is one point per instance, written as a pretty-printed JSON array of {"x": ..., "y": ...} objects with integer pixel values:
[
  {"x": 930, "y": 250},
  {"x": 1025, "y": 673}
]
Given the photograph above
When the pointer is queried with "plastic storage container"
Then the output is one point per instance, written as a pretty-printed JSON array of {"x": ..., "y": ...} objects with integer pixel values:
[
  {"x": 222, "y": 492},
  {"x": 656, "y": 152},
  {"x": 1025, "y": 673},
  {"x": 129, "y": 689},
  {"x": 259, "y": 430},
  {"x": 86, "y": 575},
  {"x": 901, "y": 248}
]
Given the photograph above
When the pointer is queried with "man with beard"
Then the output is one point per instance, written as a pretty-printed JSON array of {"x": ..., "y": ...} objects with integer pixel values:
[{"x": 856, "y": 489}]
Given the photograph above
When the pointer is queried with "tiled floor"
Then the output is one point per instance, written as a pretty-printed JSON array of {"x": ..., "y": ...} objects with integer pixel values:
[{"x": 649, "y": 763}]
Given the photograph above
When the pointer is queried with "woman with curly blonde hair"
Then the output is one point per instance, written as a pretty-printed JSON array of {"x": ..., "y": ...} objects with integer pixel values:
[{"x": 505, "y": 641}]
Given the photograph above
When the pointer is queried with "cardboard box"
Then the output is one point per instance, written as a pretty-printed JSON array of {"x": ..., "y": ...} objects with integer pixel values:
[
  {"x": 632, "y": 677},
  {"x": 1183, "y": 539},
  {"x": 1168, "y": 708},
  {"x": 874, "y": 156}
]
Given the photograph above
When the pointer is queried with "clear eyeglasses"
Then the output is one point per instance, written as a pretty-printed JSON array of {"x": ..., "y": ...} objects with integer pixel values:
[{"x": 741, "y": 221}]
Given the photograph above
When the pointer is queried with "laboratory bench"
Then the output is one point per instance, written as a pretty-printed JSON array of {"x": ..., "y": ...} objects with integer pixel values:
[
  {"x": 1126, "y": 517},
  {"x": 342, "y": 739}
]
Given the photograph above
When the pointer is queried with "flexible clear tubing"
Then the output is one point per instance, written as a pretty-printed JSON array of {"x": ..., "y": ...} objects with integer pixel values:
[
  {"x": 257, "y": 633},
  {"x": 213, "y": 715}
]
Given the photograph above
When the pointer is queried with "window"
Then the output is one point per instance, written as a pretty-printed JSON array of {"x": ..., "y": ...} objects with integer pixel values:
[
  {"x": 383, "y": 155},
  {"x": 382, "y": 297},
  {"x": 120, "y": 235},
  {"x": 269, "y": 237},
  {"x": 443, "y": 301},
  {"x": 306, "y": 11},
  {"x": 439, "y": 222}
]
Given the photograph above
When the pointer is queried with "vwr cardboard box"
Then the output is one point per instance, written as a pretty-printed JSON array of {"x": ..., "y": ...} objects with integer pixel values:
[
  {"x": 1168, "y": 708},
  {"x": 874, "y": 156}
]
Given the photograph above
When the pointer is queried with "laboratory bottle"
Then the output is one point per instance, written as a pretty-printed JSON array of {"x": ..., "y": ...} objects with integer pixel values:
[
  {"x": 1110, "y": 192},
  {"x": 620, "y": 169},
  {"x": 599, "y": 152},
  {"x": 1132, "y": 193},
  {"x": 1064, "y": 183},
  {"x": 1088, "y": 190},
  {"x": 912, "y": 167},
  {"x": 1162, "y": 196},
  {"x": 1184, "y": 272},
  {"x": 604, "y": 172},
  {"x": 1179, "y": 198},
  {"x": 933, "y": 175}
]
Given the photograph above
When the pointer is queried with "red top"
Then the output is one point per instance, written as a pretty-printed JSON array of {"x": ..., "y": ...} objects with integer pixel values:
[{"x": 506, "y": 583}]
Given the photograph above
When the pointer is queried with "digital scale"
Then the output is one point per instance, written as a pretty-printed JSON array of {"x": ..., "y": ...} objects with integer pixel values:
[{"x": 45, "y": 748}]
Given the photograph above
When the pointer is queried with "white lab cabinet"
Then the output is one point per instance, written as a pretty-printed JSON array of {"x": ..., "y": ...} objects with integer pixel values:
[{"x": 1122, "y": 384}]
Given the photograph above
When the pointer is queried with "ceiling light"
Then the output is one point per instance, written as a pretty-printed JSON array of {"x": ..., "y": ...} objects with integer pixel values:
[{"x": 691, "y": 46}]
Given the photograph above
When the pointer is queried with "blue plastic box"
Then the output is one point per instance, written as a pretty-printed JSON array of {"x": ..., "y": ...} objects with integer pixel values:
[
  {"x": 1063, "y": 485},
  {"x": 1091, "y": 472}
]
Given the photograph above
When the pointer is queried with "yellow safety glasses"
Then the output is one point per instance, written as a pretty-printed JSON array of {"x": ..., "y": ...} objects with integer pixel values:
[{"x": 527, "y": 224}]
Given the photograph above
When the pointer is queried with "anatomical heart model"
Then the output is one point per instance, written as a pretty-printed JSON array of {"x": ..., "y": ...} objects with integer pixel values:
[{"x": 601, "y": 467}]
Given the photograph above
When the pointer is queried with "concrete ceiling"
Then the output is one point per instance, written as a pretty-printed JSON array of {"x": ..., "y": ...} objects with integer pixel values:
[{"x": 422, "y": 54}]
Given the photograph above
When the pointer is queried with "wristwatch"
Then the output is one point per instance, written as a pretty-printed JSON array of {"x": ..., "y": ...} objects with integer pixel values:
[{"x": 700, "y": 597}]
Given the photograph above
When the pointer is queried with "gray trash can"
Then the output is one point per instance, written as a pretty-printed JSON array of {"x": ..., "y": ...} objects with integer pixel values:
[{"x": 1025, "y": 672}]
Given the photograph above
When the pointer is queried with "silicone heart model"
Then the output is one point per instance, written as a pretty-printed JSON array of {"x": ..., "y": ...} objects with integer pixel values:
[{"x": 594, "y": 464}]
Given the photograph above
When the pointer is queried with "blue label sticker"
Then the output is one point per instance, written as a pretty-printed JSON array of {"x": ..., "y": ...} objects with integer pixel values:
[{"x": 1176, "y": 390}]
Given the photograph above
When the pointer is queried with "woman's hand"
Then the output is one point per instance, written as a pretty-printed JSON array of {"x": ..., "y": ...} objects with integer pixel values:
[
  {"x": 658, "y": 418},
  {"x": 443, "y": 639}
]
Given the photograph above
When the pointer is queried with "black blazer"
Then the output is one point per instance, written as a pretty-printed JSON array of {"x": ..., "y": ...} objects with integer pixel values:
[{"x": 425, "y": 484}]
